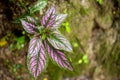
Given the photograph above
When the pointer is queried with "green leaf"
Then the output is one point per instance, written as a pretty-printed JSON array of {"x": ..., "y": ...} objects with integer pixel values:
[
  {"x": 85, "y": 59},
  {"x": 68, "y": 29},
  {"x": 75, "y": 44},
  {"x": 38, "y": 6},
  {"x": 67, "y": 26},
  {"x": 80, "y": 61},
  {"x": 20, "y": 40},
  {"x": 100, "y": 1}
]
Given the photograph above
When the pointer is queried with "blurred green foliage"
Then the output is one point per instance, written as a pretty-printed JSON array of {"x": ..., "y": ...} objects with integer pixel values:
[
  {"x": 15, "y": 67},
  {"x": 84, "y": 11},
  {"x": 118, "y": 2},
  {"x": 19, "y": 43},
  {"x": 100, "y": 1},
  {"x": 67, "y": 26}
]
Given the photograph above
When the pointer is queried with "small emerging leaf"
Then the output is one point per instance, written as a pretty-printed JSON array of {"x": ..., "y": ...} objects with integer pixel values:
[
  {"x": 58, "y": 57},
  {"x": 58, "y": 41},
  {"x": 37, "y": 59},
  {"x": 31, "y": 20}
]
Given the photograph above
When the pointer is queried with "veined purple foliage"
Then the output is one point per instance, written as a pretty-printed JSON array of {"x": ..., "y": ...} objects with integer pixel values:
[
  {"x": 59, "y": 19},
  {"x": 37, "y": 59},
  {"x": 29, "y": 25},
  {"x": 59, "y": 41},
  {"x": 58, "y": 57},
  {"x": 49, "y": 18},
  {"x": 34, "y": 46}
]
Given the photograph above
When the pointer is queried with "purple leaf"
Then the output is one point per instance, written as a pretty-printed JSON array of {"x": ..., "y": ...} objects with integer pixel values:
[
  {"x": 58, "y": 41},
  {"x": 49, "y": 18},
  {"x": 58, "y": 57},
  {"x": 36, "y": 62},
  {"x": 59, "y": 19},
  {"x": 29, "y": 25},
  {"x": 34, "y": 46}
]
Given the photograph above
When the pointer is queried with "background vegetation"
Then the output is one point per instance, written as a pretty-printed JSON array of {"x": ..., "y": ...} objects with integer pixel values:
[{"x": 92, "y": 27}]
